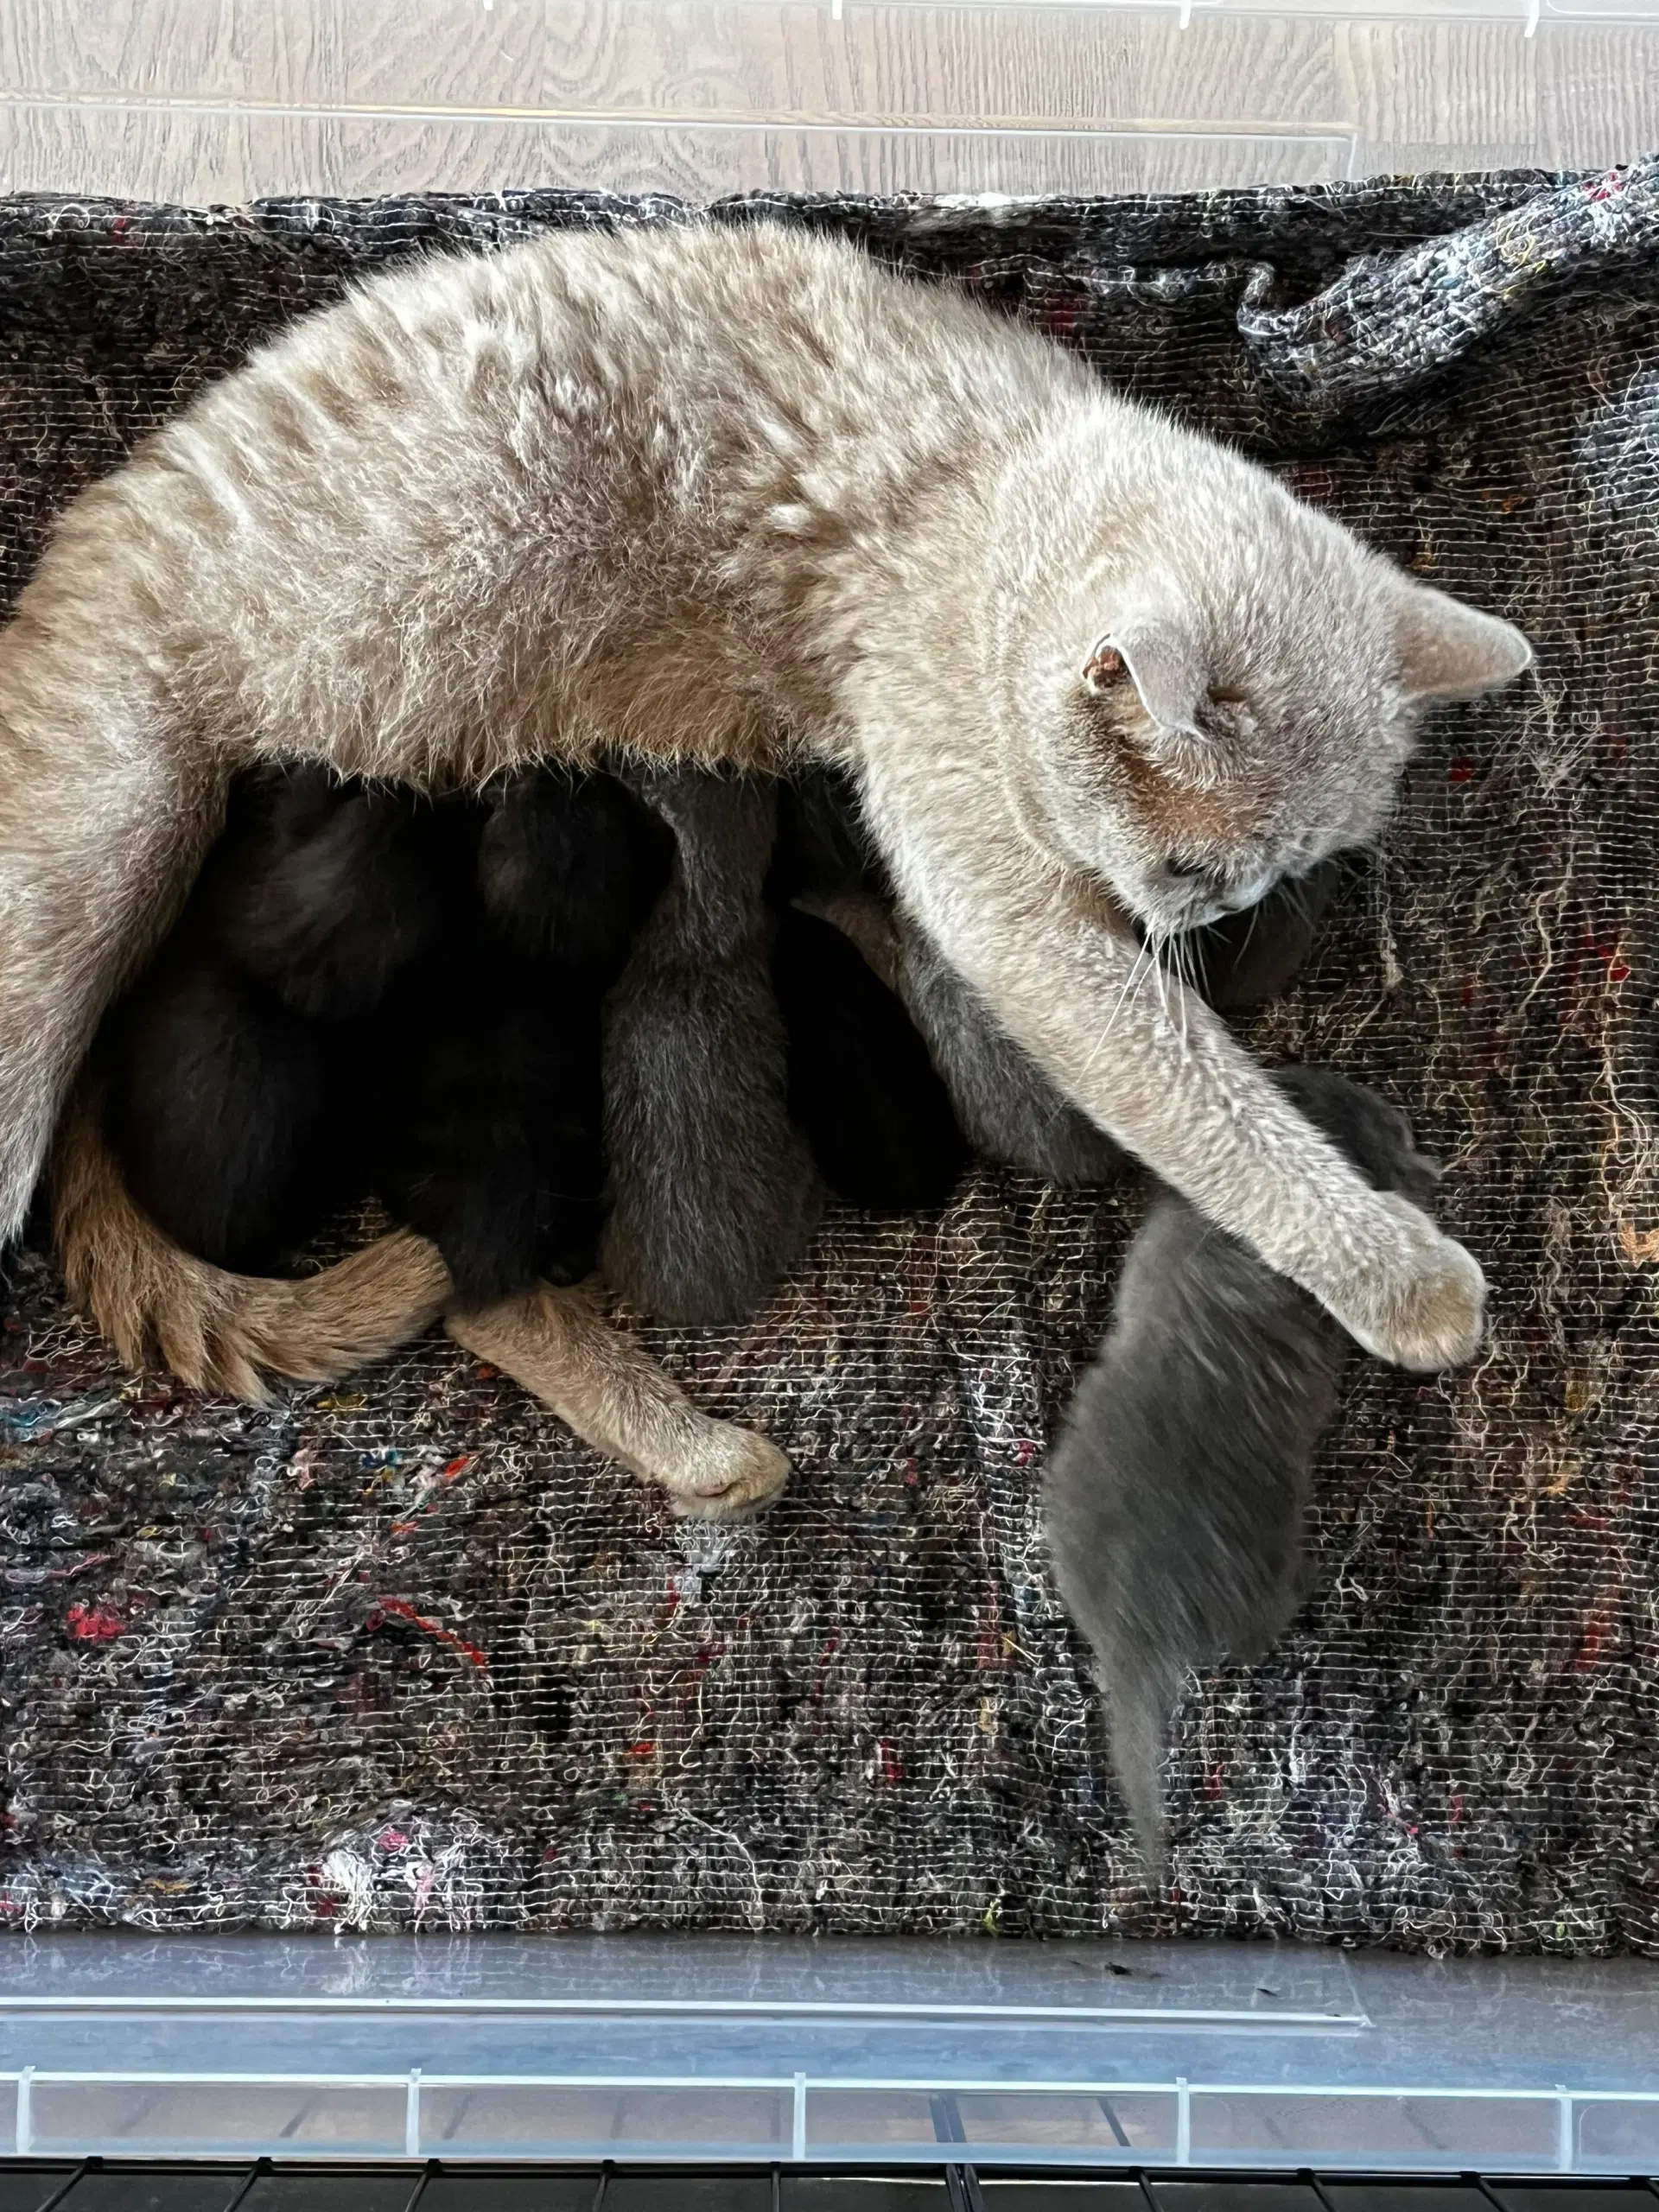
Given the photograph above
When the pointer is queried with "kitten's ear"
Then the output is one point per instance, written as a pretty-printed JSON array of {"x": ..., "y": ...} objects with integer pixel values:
[
  {"x": 1448, "y": 651},
  {"x": 1163, "y": 664}
]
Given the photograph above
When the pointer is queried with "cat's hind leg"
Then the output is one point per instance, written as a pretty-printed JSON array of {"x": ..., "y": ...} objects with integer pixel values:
[{"x": 560, "y": 1347}]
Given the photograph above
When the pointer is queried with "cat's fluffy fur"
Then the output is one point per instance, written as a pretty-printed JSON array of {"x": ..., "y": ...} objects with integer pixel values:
[
  {"x": 1174, "y": 1495},
  {"x": 724, "y": 494}
]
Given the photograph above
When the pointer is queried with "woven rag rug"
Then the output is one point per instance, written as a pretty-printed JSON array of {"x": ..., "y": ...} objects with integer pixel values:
[{"x": 402, "y": 1653}]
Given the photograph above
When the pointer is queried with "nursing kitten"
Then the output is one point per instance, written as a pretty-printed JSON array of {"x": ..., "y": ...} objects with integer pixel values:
[
  {"x": 368, "y": 992},
  {"x": 862, "y": 1086},
  {"x": 1002, "y": 1099},
  {"x": 224, "y": 1102},
  {"x": 714, "y": 1195},
  {"x": 224, "y": 1069},
  {"x": 737, "y": 494},
  {"x": 1174, "y": 1495},
  {"x": 479, "y": 1072},
  {"x": 1006, "y": 1106}
]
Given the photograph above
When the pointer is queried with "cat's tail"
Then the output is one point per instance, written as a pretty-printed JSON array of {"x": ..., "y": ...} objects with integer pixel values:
[{"x": 214, "y": 1330}]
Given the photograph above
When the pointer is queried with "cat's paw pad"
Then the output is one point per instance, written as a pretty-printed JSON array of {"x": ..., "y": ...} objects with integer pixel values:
[
  {"x": 729, "y": 1474},
  {"x": 1421, "y": 1304}
]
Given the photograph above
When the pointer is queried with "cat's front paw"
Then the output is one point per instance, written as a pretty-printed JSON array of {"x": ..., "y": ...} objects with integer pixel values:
[
  {"x": 728, "y": 1474},
  {"x": 1421, "y": 1301}
]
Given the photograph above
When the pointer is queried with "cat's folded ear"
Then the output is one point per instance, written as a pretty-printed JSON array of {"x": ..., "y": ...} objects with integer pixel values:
[
  {"x": 1448, "y": 651},
  {"x": 1162, "y": 660}
]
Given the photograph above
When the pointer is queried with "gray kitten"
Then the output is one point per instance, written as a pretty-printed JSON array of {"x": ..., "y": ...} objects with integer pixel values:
[
  {"x": 1008, "y": 1109},
  {"x": 1174, "y": 1495},
  {"x": 715, "y": 1195}
]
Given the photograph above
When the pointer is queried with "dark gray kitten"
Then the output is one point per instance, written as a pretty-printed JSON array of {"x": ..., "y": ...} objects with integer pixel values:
[
  {"x": 1175, "y": 1493},
  {"x": 1008, "y": 1109},
  {"x": 714, "y": 1196}
]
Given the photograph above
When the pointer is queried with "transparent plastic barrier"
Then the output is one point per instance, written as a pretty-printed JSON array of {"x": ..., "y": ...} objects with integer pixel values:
[{"x": 795, "y": 2118}]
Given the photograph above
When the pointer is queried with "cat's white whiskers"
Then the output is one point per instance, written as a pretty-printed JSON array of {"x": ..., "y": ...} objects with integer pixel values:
[
  {"x": 1144, "y": 955},
  {"x": 1184, "y": 950},
  {"x": 1156, "y": 942},
  {"x": 1297, "y": 892},
  {"x": 1136, "y": 972},
  {"x": 1164, "y": 941}
]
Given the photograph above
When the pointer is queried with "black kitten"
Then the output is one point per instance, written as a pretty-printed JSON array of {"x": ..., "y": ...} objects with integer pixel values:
[
  {"x": 223, "y": 1107},
  {"x": 1175, "y": 1493},
  {"x": 227, "y": 1098},
  {"x": 324, "y": 889},
  {"x": 483, "y": 1108},
  {"x": 714, "y": 1196},
  {"x": 863, "y": 1087}
]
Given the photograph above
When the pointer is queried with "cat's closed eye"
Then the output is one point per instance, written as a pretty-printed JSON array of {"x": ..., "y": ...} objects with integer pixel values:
[{"x": 1226, "y": 715}]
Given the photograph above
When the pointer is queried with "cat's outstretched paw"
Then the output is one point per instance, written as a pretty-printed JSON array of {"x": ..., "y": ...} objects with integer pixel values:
[
  {"x": 1421, "y": 1301},
  {"x": 728, "y": 1473}
]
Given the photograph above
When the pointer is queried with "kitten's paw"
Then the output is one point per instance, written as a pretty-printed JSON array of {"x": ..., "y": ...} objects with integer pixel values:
[
  {"x": 1420, "y": 1302},
  {"x": 728, "y": 1474}
]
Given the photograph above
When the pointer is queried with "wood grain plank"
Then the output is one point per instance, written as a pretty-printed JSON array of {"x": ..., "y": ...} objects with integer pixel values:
[
  {"x": 1441, "y": 95},
  {"x": 704, "y": 96},
  {"x": 651, "y": 59},
  {"x": 289, "y": 51},
  {"x": 454, "y": 52},
  {"x": 159, "y": 153},
  {"x": 1597, "y": 94},
  {"x": 1272, "y": 71},
  {"x": 1015, "y": 65},
  {"x": 701, "y": 163},
  {"x": 153, "y": 153},
  {"x": 110, "y": 46}
]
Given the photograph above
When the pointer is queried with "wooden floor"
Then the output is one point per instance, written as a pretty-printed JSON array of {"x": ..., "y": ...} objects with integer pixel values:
[{"x": 226, "y": 101}]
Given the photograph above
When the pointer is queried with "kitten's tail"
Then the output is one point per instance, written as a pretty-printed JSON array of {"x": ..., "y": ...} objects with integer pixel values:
[
  {"x": 1142, "y": 1688},
  {"x": 214, "y": 1330}
]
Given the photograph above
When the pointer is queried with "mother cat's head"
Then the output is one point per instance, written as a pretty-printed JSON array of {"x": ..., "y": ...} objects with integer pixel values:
[{"x": 1229, "y": 692}]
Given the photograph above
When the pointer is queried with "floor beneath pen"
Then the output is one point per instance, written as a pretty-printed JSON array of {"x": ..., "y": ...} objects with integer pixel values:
[{"x": 115, "y": 2187}]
